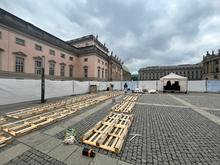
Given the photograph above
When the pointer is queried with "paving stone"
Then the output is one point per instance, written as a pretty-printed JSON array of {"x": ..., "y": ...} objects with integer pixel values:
[
  {"x": 82, "y": 116},
  {"x": 76, "y": 158},
  {"x": 62, "y": 151},
  {"x": 103, "y": 159},
  {"x": 122, "y": 163},
  {"x": 36, "y": 158},
  {"x": 48, "y": 145},
  {"x": 54, "y": 130},
  {"x": 35, "y": 140},
  {"x": 210, "y": 100},
  {"x": 12, "y": 152}
]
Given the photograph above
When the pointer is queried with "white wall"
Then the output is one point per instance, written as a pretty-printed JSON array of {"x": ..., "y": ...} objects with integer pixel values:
[
  {"x": 14, "y": 91},
  {"x": 197, "y": 86}
]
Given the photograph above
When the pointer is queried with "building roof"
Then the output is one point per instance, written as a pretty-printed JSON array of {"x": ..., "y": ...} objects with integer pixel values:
[
  {"x": 125, "y": 68},
  {"x": 9, "y": 20},
  {"x": 92, "y": 49},
  {"x": 88, "y": 38},
  {"x": 182, "y": 66}
]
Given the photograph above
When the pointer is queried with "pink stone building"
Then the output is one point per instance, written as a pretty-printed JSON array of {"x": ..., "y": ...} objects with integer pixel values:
[{"x": 22, "y": 46}]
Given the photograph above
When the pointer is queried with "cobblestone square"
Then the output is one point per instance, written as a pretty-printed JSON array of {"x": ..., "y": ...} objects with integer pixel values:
[{"x": 169, "y": 132}]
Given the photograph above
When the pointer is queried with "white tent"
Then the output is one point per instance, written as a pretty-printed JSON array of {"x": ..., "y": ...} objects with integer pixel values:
[{"x": 173, "y": 79}]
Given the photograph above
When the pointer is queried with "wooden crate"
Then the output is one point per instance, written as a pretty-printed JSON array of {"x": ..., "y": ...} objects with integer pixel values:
[
  {"x": 109, "y": 134},
  {"x": 4, "y": 139}
]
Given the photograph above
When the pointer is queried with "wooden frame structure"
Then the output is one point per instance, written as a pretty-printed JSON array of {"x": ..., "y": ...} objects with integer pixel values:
[{"x": 109, "y": 134}]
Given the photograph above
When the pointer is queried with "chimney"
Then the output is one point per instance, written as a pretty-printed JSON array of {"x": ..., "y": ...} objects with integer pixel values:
[
  {"x": 111, "y": 53},
  {"x": 207, "y": 53},
  {"x": 96, "y": 37},
  {"x": 213, "y": 53},
  {"x": 219, "y": 52}
]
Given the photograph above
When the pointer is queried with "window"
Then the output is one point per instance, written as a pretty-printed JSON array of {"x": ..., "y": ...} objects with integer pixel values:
[
  {"x": 216, "y": 70},
  {"x": 0, "y": 35},
  {"x": 52, "y": 52},
  {"x": 38, "y": 67},
  {"x": 0, "y": 60},
  {"x": 85, "y": 72},
  {"x": 85, "y": 59},
  {"x": 98, "y": 60},
  {"x": 51, "y": 68},
  {"x": 38, "y": 47},
  {"x": 62, "y": 70},
  {"x": 102, "y": 62},
  {"x": 71, "y": 58},
  {"x": 106, "y": 72},
  {"x": 20, "y": 41},
  {"x": 19, "y": 64},
  {"x": 98, "y": 72},
  {"x": 106, "y": 64},
  {"x": 62, "y": 55},
  {"x": 70, "y": 71},
  {"x": 102, "y": 73}
]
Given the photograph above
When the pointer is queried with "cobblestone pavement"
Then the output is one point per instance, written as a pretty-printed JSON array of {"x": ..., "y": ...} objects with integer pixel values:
[
  {"x": 202, "y": 99},
  {"x": 88, "y": 122},
  {"x": 158, "y": 99},
  {"x": 34, "y": 157},
  {"x": 168, "y": 136},
  {"x": 217, "y": 113}
]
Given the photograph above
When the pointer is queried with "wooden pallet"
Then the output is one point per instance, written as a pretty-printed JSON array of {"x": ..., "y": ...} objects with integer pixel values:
[
  {"x": 109, "y": 134},
  {"x": 24, "y": 113},
  {"x": 4, "y": 139},
  {"x": 24, "y": 126},
  {"x": 132, "y": 97},
  {"x": 27, "y": 125},
  {"x": 2, "y": 120},
  {"x": 124, "y": 107}
]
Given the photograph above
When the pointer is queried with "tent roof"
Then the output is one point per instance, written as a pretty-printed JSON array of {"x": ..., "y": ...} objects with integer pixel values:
[{"x": 172, "y": 76}]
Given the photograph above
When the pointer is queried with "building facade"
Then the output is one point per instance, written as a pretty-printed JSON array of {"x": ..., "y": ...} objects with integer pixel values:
[
  {"x": 22, "y": 46},
  {"x": 192, "y": 71},
  {"x": 211, "y": 66}
]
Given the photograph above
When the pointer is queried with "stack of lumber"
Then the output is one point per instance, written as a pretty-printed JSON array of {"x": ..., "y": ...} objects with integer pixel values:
[{"x": 109, "y": 134}]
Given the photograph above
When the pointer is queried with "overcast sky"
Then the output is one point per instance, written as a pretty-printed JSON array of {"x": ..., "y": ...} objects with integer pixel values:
[{"x": 141, "y": 32}]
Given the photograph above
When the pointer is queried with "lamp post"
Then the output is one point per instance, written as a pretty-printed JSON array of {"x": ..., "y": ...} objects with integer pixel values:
[{"x": 42, "y": 79}]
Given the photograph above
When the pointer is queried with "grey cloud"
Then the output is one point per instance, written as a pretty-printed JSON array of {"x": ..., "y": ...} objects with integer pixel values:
[{"x": 142, "y": 33}]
